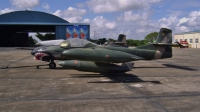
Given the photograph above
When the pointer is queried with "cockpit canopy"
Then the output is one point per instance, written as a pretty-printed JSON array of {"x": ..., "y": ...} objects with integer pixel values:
[{"x": 74, "y": 42}]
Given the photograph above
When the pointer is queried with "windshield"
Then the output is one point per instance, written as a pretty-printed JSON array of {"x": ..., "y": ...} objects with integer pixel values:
[
  {"x": 64, "y": 44},
  {"x": 74, "y": 42}
]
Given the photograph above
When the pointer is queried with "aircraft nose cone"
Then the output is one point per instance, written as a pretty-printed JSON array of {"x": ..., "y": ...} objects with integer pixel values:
[
  {"x": 70, "y": 64},
  {"x": 71, "y": 54},
  {"x": 33, "y": 52},
  {"x": 76, "y": 53},
  {"x": 62, "y": 63}
]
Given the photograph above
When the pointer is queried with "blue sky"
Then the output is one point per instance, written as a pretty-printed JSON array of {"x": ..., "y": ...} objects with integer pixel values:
[{"x": 108, "y": 18}]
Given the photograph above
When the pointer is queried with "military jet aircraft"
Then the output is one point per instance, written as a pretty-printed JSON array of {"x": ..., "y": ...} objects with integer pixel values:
[{"x": 83, "y": 55}]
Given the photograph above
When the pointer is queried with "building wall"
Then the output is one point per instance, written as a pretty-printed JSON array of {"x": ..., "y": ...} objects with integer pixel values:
[
  {"x": 193, "y": 39},
  {"x": 60, "y": 32},
  {"x": 178, "y": 38}
]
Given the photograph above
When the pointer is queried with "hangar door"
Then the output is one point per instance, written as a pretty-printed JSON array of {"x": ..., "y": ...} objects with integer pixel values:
[{"x": 17, "y": 35}]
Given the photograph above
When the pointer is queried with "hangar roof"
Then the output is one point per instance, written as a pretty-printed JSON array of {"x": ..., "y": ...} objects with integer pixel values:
[
  {"x": 28, "y": 17},
  {"x": 190, "y": 32}
]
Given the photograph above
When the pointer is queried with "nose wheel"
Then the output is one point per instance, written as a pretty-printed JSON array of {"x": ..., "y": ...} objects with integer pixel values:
[{"x": 52, "y": 65}]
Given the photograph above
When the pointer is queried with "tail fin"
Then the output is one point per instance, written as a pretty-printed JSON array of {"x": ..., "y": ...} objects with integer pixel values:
[
  {"x": 36, "y": 38},
  {"x": 121, "y": 39},
  {"x": 162, "y": 46},
  {"x": 164, "y": 36}
]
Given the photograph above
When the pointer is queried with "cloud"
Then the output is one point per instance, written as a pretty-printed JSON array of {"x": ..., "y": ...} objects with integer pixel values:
[
  {"x": 141, "y": 31},
  {"x": 111, "y": 25},
  {"x": 46, "y": 6},
  {"x": 73, "y": 19},
  {"x": 102, "y": 27},
  {"x": 170, "y": 22},
  {"x": 71, "y": 14},
  {"x": 192, "y": 20},
  {"x": 58, "y": 13},
  {"x": 81, "y": 5},
  {"x": 175, "y": 13},
  {"x": 179, "y": 25},
  {"x": 6, "y": 10},
  {"x": 181, "y": 29},
  {"x": 86, "y": 20},
  {"x": 25, "y": 3},
  {"x": 130, "y": 16},
  {"x": 127, "y": 32},
  {"x": 101, "y": 6},
  {"x": 100, "y": 23}
]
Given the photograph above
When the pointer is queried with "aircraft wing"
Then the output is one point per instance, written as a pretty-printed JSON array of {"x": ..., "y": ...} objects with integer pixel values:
[
  {"x": 167, "y": 44},
  {"x": 25, "y": 48}
]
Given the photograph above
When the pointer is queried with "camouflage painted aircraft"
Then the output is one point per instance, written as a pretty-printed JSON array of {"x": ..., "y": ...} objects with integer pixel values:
[{"x": 83, "y": 55}]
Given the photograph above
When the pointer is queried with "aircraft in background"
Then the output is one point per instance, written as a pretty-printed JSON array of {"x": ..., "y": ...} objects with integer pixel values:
[
  {"x": 121, "y": 42},
  {"x": 176, "y": 43},
  {"x": 46, "y": 42},
  {"x": 83, "y": 55},
  {"x": 49, "y": 42}
]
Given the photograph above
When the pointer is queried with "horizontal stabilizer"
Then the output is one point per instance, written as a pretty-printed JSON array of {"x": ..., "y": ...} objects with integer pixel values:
[
  {"x": 168, "y": 44},
  {"x": 128, "y": 65}
]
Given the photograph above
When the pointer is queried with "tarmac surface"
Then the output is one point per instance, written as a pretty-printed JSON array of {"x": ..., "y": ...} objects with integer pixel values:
[{"x": 168, "y": 85}]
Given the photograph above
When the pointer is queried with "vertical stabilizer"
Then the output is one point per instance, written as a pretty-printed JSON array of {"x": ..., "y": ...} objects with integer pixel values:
[
  {"x": 36, "y": 38},
  {"x": 164, "y": 36},
  {"x": 162, "y": 46},
  {"x": 121, "y": 38}
]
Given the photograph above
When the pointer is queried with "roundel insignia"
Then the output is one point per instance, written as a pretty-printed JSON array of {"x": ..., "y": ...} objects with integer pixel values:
[
  {"x": 107, "y": 56},
  {"x": 75, "y": 62}
]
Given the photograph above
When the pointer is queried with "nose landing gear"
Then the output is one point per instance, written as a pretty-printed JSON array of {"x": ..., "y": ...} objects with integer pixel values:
[{"x": 52, "y": 65}]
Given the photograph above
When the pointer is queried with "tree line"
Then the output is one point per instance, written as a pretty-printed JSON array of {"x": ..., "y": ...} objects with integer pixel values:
[{"x": 150, "y": 38}]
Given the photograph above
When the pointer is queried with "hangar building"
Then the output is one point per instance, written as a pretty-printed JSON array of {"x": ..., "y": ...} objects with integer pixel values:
[
  {"x": 193, "y": 38},
  {"x": 15, "y": 26}
]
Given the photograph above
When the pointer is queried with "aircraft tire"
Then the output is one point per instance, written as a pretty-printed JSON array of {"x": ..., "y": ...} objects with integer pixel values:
[{"x": 52, "y": 65}]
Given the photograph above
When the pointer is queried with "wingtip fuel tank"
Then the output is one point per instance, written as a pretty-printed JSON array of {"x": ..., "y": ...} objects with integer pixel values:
[{"x": 96, "y": 66}]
